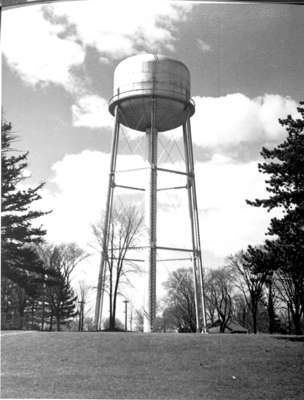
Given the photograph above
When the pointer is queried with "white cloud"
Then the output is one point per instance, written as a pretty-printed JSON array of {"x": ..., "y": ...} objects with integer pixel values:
[
  {"x": 33, "y": 48},
  {"x": 203, "y": 46},
  {"x": 219, "y": 123},
  {"x": 91, "y": 111},
  {"x": 81, "y": 181},
  {"x": 227, "y": 223},
  {"x": 222, "y": 122},
  {"x": 120, "y": 28},
  {"x": 271, "y": 108},
  {"x": 44, "y": 44}
]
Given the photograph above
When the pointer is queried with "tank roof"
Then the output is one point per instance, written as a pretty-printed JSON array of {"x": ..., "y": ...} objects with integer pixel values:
[{"x": 146, "y": 57}]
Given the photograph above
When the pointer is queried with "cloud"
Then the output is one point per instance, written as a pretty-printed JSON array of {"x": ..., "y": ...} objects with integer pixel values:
[
  {"x": 233, "y": 125},
  {"x": 121, "y": 28},
  {"x": 48, "y": 44},
  {"x": 224, "y": 123},
  {"x": 227, "y": 222},
  {"x": 33, "y": 47},
  {"x": 203, "y": 46},
  {"x": 91, "y": 111},
  {"x": 81, "y": 182}
]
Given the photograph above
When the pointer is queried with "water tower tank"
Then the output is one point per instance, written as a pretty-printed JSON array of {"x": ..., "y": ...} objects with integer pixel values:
[{"x": 150, "y": 82}]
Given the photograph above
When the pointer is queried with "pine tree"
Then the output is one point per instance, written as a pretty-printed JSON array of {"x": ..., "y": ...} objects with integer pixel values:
[
  {"x": 18, "y": 256},
  {"x": 285, "y": 166}
]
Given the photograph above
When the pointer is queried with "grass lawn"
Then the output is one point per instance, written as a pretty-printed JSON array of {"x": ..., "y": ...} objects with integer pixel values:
[{"x": 151, "y": 366}]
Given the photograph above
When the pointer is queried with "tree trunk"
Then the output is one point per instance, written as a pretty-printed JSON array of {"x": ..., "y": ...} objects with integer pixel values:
[
  {"x": 4, "y": 304},
  {"x": 21, "y": 307},
  {"x": 4, "y": 314},
  {"x": 254, "y": 312},
  {"x": 254, "y": 319},
  {"x": 111, "y": 298},
  {"x": 21, "y": 317},
  {"x": 271, "y": 313},
  {"x": 79, "y": 322},
  {"x": 115, "y": 298},
  {"x": 112, "y": 319},
  {"x": 224, "y": 324},
  {"x": 4, "y": 318},
  {"x": 51, "y": 322},
  {"x": 42, "y": 317},
  {"x": 288, "y": 318},
  {"x": 58, "y": 323},
  {"x": 296, "y": 317},
  {"x": 33, "y": 309}
]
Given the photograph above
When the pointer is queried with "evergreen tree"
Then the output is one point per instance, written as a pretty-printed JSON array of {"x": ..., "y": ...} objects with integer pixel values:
[
  {"x": 19, "y": 259},
  {"x": 62, "y": 301},
  {"x": 285, "y": 166}
]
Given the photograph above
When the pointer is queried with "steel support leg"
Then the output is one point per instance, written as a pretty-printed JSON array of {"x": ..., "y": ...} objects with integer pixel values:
[
  {"x": 196, "y": 220},
  {"x": 190, "y": 201},
  {"x": 107, "y": 220},
  {"x": 193, "y": 210},
  {"x": 151, "y": 216}
]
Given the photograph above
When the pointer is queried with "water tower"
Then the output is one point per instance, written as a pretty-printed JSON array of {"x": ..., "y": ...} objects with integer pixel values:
[{"x": 151, "y": 95}]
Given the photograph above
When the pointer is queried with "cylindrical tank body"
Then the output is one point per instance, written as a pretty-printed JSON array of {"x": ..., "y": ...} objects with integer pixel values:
[{"x": 142, "y": 80}]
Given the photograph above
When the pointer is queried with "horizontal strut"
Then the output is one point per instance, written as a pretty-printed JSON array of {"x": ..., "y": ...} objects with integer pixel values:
[
  {"x": 120, "y": 171},
  {"x": 127, "y": 259},
  {"x": 171, "y": 188},
  {"x": 176, "y": 249},
  {"x": 175, "y": 259},
  {"x": 173, "y": 171},
  {"x": 130, "y": 187},
  {"x": 158, "y": 260},
  {"x": 131, "y": 248}
]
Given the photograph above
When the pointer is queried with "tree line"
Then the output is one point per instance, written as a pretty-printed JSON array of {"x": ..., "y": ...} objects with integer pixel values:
[{"x": 262, "y": 287}]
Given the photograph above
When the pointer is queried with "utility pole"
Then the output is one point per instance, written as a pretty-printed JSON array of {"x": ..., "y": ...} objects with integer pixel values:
[
  {"x": 126, "y": 314},
  {"x": 288, "y": 317}
]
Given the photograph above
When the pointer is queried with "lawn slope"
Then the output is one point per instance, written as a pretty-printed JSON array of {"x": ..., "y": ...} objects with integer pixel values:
[{"x": 151, "y": 366}]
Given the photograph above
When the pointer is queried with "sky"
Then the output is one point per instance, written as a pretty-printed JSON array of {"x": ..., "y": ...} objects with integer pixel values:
[{"x": 246, "y": 65}]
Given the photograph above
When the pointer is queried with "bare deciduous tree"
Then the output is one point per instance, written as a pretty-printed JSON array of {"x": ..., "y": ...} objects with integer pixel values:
[
  {"x": 290, "y": 291},
  {"x": 250, "y": 284},
  {"x": 180, "y": 305},
  {"x": 125, "y": 229},
  {"x": 219, "y": 287}
]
